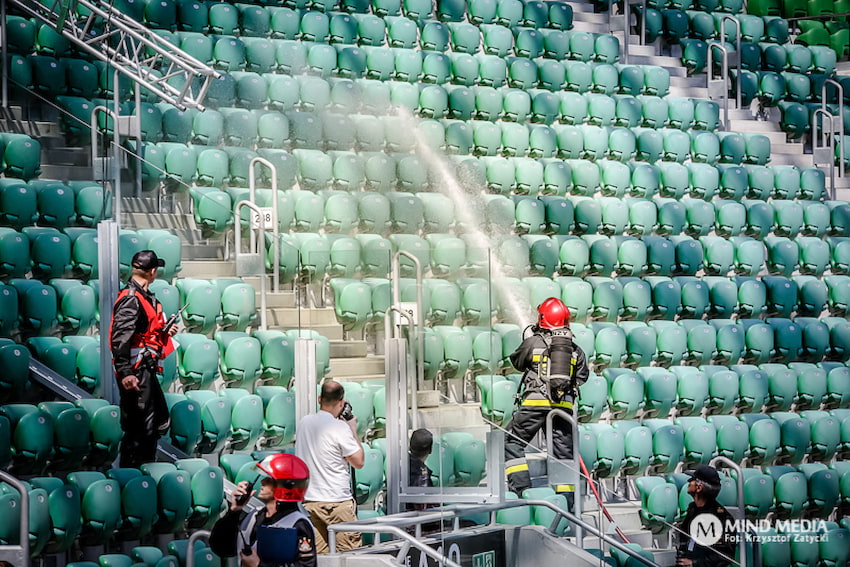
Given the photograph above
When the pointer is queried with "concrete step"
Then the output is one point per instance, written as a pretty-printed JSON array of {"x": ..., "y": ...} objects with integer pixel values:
[
  {"x": 66, "y": 172},
  {"x": 291, "y": 317},
  {"x": 664, "y": 557},
  {"x": 800, "y": 160},
  {"x": 759, "y": 126},
  {"x": 625, "y": 516},
  {"x": 357, "y": 366},
  {"x": 208, "y": 269},
  {"x": 35, "y": 128},
  {"x": 451, "y": 416},
  {"x": 591, "y": 23},
  {"x": 688, "y": 92},
  {"x": 672, "y": 64},
  {"x": 353, "y": 349},
  {"x": 66, "y": 156},
  {"x": 783, "y": 147},
  {"x": 151, "y": 219}
]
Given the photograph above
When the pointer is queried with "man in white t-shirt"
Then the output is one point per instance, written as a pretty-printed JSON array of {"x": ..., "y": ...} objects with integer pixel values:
[{"x": 329, "y": 444}]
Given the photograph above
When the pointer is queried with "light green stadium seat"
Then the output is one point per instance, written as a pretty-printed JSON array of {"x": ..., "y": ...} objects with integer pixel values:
[
  {"x": 732, "y": 438},
  {"x": 541, "y": 516},
  {"x": 246, "y": 419},
  {"x": 198, "y": 360},
  {"x": 215, "y": 419},
  {"x": 104, "y": 428},
  {"x": 610, "y": 449},
  {"x": 625, "y": 389},
  {"x": 56, "y": 355},
  {"x": 36, "y": 304},
  {"x": 101, "y": 505},
  {"x": 764, "y": 438},
  {"x": 659, "y": 503},
  {"x": 836, "y": 379},
  {"x": 795, "y": 437},
  {"x": 825, "y": 435},
  {"x": 71, "y": 433},
  {"x": 667, "y": 444}
]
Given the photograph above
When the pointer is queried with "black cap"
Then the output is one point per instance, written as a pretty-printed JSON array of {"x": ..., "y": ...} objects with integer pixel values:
[
  {"x": 421, "y": 442},
  {"x": 147, "y": 260},
  {"x": 706, "y": 474}
]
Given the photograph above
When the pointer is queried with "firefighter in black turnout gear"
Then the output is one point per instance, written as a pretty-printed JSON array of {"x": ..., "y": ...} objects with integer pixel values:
[
  {"x": 553, "y": 367},
  {"x": 139, "y": 339}
]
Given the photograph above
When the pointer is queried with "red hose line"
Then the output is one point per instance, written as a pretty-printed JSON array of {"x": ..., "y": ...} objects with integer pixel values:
[{"x": 599, "y": 500}]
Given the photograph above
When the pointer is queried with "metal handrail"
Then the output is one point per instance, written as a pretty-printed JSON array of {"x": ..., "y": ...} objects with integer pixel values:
[
  {"x": 190, "y": 552},
  {"x": 840, "y": 88},
  {"x": 394, "y": 524},
  {"x": 420, "y": 324},
  {"x": 823, "y": 152},
  {"x": 252, "y": 188},
  {"x": 116, "y": 171},
  {"x": 254, "y": 246},
  {"x": 719, "y": 84},
  {"x": 24, "y": 546},
  {"x": 625, "y": 23},
  {"x": 735, "y": 21}
]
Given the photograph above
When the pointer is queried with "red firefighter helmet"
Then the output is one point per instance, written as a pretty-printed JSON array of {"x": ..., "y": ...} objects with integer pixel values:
[
  {"x": 290, "y": 475},
  {"x": 553, "y": 314}
]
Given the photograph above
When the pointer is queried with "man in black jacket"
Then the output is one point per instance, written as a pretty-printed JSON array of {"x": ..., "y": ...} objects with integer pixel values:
[
  {"x": 139, "y": 340},
  {"x": 705, "y": 536},
  {"x": 553, "y": 367},
  {"x": 292, "y": 540}
]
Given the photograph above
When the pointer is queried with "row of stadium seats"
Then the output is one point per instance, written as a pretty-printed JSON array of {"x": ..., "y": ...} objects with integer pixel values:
[
  {"x": 151, "y": 556},
  {"x": 206, "y": 422},
  {"x": 249, "y": 128},
  {"x": 234, "y": 126},
  {"x": 124, "y": 504},
  {"x": 796, "y": 8},
  {"x": 713, "y": 390},
  {"x": 48, "y": 253},
  {"x": 59, "y": 435},
  {"x": 452, "y": 351},
  {"x": 267, "y": 356},
  {"x": 811, "y": 489},
  {"x": 52, "y": 203},
  {"x": 480, "y": 138},
  {"x": 310, "y": 257},
  {"x": 273, "y": 18},
  {"x": 675, "y": 24},
  {"x": 613, "y": 214},
  {"x": 660, "y": 446}
]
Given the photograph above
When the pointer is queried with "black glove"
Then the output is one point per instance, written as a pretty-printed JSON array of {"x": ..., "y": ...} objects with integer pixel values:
[{"x": 347, "y": 413}]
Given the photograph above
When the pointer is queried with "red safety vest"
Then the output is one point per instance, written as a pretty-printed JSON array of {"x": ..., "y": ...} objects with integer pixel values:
[{"x": 151, "y": 342}]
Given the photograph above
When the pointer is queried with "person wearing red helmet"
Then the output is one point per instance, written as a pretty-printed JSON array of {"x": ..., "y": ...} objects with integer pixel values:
[
  {"x": 277, "y": 535},
  {"x": 553, "y": 367}
]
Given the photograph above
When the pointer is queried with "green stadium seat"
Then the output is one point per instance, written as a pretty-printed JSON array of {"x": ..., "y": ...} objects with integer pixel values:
[{"x": 764, "y": 438}]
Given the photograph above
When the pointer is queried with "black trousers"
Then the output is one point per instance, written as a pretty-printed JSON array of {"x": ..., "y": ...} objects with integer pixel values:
[
  {"x": 144, "y": 419},
  {"x": 525, "y": 424}
]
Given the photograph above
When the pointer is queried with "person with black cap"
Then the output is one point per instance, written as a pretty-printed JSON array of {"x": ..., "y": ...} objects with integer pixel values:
[
  {"x": 421, "y": 442},
  {"x": 705, "y": 536},
  {"x": 139, "y": 339}
]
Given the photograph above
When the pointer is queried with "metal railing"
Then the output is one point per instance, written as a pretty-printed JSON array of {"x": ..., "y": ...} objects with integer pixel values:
[
  {"x": 550, "y": 451},
  {"x": 190, "y": 548},
  {"x": 717, "y": 86},
  {"x": 736, "y": 57},
  {"x": 275, "y": 214},
  {"x": 840, "y": 129},
  {"x": 18, "y": 555},
  {"x": 418, "y": 315},
  {"x": 395, "y": 525},
  {"x": 109, "y": 35},
  {"x": 823, "y": 144},
  {"x": 252, "y": 263}
]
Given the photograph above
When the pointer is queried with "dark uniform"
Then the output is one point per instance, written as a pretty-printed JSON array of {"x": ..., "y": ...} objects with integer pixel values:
[
  {"x": 137, "y": 346},
  {"x": 702, "y": 556},
  {"x": 237, "y": 530},
  {"x": 534, "y": 405}
]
